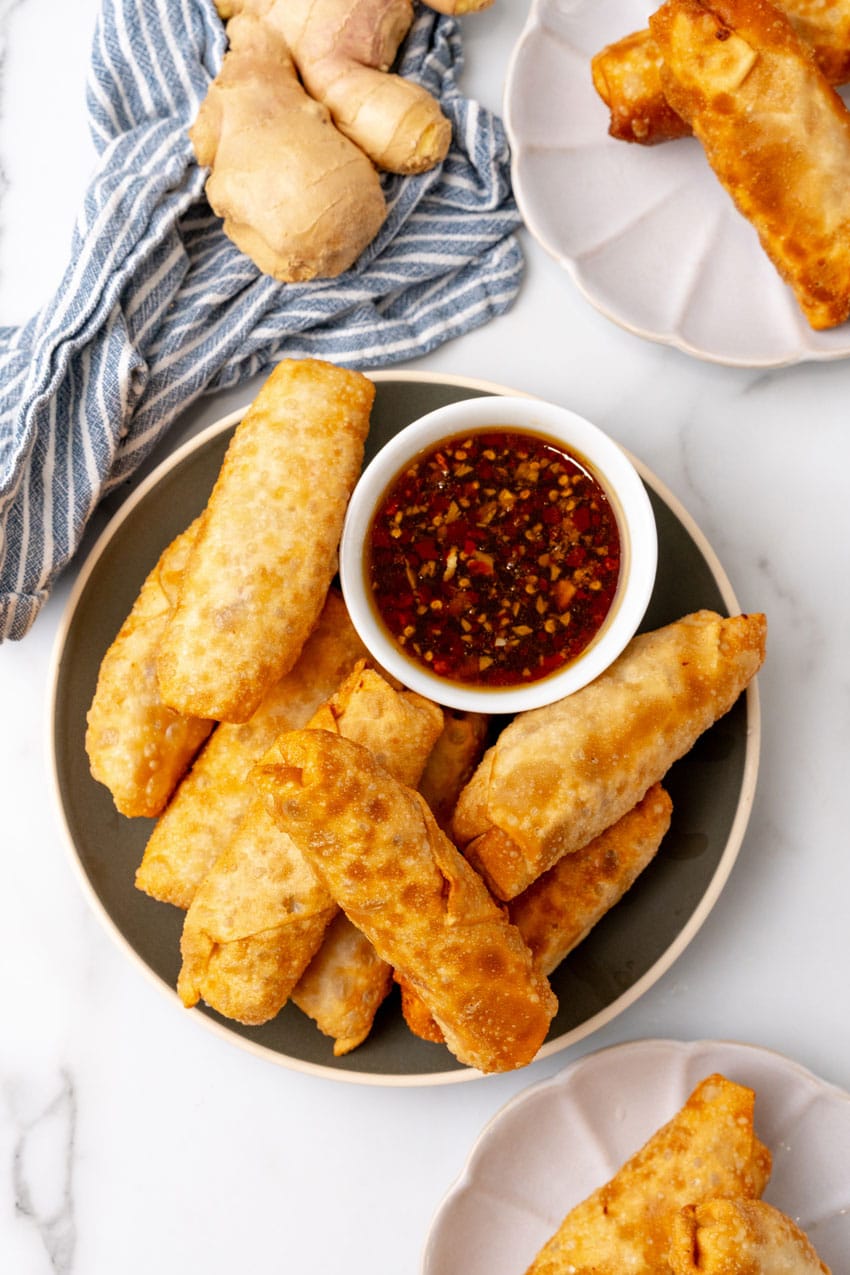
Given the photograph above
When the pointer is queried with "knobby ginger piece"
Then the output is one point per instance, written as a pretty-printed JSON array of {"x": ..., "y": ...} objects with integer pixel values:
[
  {"x": 258, "y": 576},
  {"x": 708, "y": 1150},
  {"x": 138, "y": 746},
  {"x": 559, "y": 909},
  {"x": 295, "y": 195},
  {"x": 627, "y": 73},
  {"x": 774, "y": 131},
  {"x": 399, "y": 879},
  {"x": 212, "y": 799},
  {"x": 558, "y": 776},
  {"x": 261, "y": 913},
  {"x": 743, "y": 1237},
  {"x": 343, "y": 50}
]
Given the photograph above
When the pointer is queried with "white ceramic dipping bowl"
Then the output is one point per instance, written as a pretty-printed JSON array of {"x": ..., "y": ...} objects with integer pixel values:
[{"x": 595, "y": 451}]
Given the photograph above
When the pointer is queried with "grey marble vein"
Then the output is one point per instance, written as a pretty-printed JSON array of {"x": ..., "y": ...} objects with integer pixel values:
[{"x": 43, "y": 1173}]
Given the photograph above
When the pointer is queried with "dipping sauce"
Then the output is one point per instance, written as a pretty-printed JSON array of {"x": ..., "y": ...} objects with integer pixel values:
[{"x": 493, "y": 559}]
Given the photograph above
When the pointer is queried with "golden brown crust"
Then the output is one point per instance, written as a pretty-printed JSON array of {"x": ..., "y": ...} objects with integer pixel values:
[
  {"x": 708, "y": 1150},
  {"x": 401, "y": 881},
  {"x": 453, "y": 759},
  {"x": 740, "y": 1237},
  {"x": 776, "y": 134},
  {"x": 210, "y": 803},
  {"x": 259, "y": 573},
  {"x": 138, "y": 746},
  {"x": 344, "y": 985},
  {"x": 627, "y": 73},
  {"x": 627, "y": 76},
  {"x": 559, "y": 909},
  {"x": 260, "y": 915},
  {"x": 558, "y": 776}
]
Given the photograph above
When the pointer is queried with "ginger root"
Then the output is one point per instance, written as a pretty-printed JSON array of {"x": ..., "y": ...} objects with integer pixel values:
[
  {"x": 302, "y": 112},
  {"x": 296, "y": 196}
]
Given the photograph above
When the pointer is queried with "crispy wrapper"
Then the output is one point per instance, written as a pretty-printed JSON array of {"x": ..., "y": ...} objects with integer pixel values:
[
  {"x": 708, "y": 1150},
  {"x": 138, "y": 746},
  {"x": 344, "y": 985},
  {"x": 560, "y": 908},
  {"x": 740, "y": 1237},
  {"x": 558, "y": 776},
  {"x": 627, "y": 73},
  {"x": 776, "y": 134},
  {"x": 627, "y": 76},
  {"x": 261, "y": 912},
  {"x": 453, "y": 759},
  {"x": 211, "y": 801},
  {"x": 266, "y": 552},
  {"x": 399, "y": 879}
]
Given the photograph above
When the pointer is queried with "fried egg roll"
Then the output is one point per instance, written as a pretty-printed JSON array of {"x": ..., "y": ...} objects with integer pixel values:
[
  {"x": 749, "y": 1237},
  {"x": 560, "y": 908},
  {"x": 260, "y": 914},
  {"x": 709, "y": 1149},
  {"x": 558, "y": 776},
  {"x": 266, "y": 553},
  {"x": 344, "y": 985},
  {"x": 137, "y": 746},
  {"x": 627, "y": 73},
  {"x": 400, "y": 880},
  {"x": 211, "y": 801},
  {"x": 774, "y": 131},
  {"x": 453, "y": 759},
  {"x": 627, "y": 76}
]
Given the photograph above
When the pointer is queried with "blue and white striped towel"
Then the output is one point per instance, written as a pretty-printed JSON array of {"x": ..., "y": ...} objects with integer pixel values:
[{"x": 157, "y": 306}]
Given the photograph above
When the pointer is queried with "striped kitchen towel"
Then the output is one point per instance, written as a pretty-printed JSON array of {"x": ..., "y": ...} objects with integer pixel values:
[{"x": 158, "y": 307}]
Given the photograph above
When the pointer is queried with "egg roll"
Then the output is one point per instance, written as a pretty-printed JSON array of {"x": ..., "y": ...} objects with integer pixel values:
[
  {"x": 266, "y": 552},
  {"x": 399, "y": 879},
  {"x": 137, "y": 746},
  {"x": 344, "y": 985},
  {"x": 708, "y": 1150},
  {"x": 774, "y": 131},
  {"x": 453, "y": 759},
  {"x": 627, "y": 76},
  {"x": 627, "y": 73},
  {"x": 260, "y": 915},
  {"x": 742, "y": 1237},
  {"x": 558, "y": 776},
  {"x": 559, "y": 909},
  {"x": 211, "y": 801}
]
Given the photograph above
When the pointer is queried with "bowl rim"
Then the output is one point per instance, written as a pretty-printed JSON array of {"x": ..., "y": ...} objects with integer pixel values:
[{"x": 609, "y": 463}]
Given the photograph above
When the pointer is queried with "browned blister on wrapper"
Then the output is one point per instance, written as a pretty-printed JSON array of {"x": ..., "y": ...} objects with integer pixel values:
[{"x": 399, "y": 879}]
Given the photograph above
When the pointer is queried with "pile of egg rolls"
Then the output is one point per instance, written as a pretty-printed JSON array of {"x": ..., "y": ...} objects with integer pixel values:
[
  {"x": 688, "y": 1201},
  {"x": 329, "y": 832},
  {"x": 754, "y": 82}
]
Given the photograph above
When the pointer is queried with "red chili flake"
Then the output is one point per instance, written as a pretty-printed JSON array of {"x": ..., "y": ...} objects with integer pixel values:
[{"x": 485, "y": 508}]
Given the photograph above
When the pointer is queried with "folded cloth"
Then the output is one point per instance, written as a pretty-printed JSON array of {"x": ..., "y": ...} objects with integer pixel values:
[{"x": 157, "y": 306}]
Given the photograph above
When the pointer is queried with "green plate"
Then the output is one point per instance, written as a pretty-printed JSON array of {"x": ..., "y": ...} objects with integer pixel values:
[{"x": 712, "y": 787}]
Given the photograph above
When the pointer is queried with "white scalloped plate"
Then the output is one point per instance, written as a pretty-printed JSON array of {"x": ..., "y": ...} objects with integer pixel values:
[
  {"x": 550, "y": 1146},
  {"x": 647, "y": 233}
]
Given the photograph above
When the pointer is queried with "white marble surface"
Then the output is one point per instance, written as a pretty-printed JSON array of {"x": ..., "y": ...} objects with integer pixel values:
[{"x": 130, "y": 1138}]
